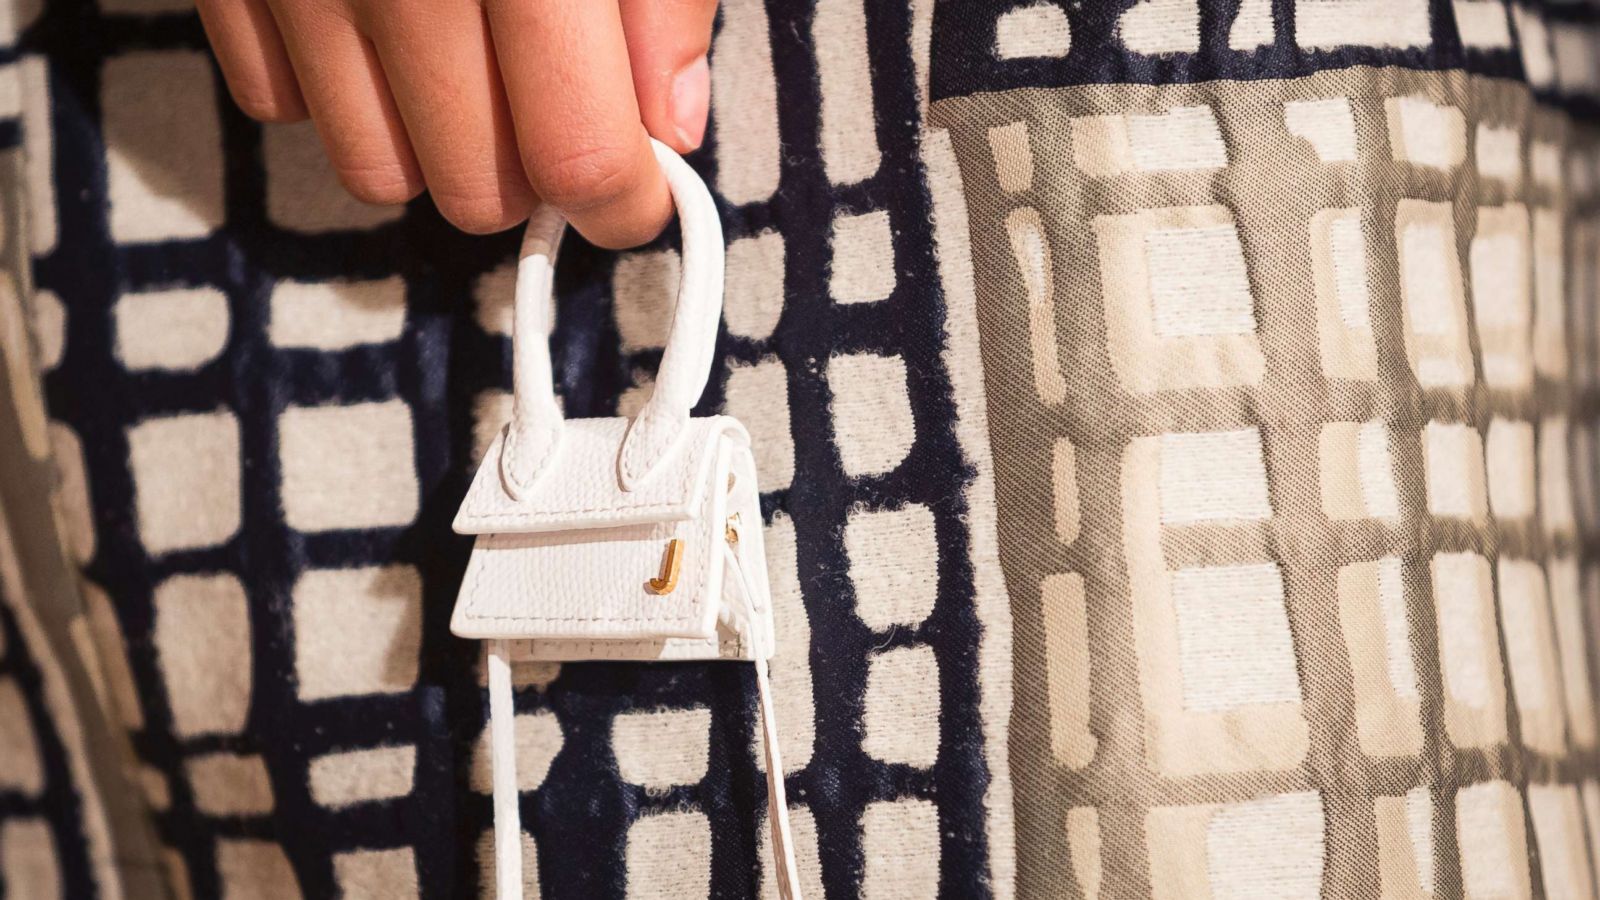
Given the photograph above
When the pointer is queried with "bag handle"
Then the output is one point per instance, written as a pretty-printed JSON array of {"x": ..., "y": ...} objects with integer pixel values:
[{"x": 536, "y": 422}]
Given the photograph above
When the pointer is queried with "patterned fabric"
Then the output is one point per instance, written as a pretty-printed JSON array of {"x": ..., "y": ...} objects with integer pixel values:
[
  {"x": 1281, "y": 496},
  {"x": 44, "y": 851},
  {"x": 69, "y": 823},
  {"x": 1303, "y": 476},
  {"x": 1176, "y": 422}
]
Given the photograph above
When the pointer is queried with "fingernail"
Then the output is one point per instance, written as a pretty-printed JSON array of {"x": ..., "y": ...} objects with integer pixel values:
[{"x": 691, "y": 96}]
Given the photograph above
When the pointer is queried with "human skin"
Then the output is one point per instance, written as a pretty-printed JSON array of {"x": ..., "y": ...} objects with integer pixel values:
[{"x": 489, "y": 105}]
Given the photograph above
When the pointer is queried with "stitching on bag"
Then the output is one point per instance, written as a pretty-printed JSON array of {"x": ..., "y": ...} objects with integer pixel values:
[
  {"x": 630, "y": 465},
  {"x": 626, "y": 648},
  {"x": 474, "y": 591},
  {"x": 475, "y": 594},
  {"x": 732, "y": 643},
  {"x": 509, "y": 471},
  {"x": 513, "y": 518}
]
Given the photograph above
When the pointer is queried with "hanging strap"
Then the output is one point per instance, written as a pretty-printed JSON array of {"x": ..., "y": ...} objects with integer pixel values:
[
  {"x": 777, "y": 802},
  {"x": 503, "y": 759},
  {"x": 536, "y": 422},
  {"x": 508, "y": 817}
]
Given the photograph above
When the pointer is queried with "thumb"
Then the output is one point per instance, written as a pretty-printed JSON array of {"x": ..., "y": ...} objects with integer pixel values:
[{"x": 667, "y": 44}]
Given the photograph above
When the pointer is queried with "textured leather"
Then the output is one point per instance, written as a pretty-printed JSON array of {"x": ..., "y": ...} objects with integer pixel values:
[
  {"x": 503, "y": 760},
  {"x": 536, "y": 427},
  {"x": 588, "y": 492},
  {"x": 788, "y": 874},
  {"x": 575, "y": 519},
  {"x": 571, "y": 559}
]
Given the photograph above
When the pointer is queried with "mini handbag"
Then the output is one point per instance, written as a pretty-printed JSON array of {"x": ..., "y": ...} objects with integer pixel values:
[{"x": 614, "y": 538}]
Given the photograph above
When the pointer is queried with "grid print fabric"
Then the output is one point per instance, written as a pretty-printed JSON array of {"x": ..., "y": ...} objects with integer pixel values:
[
  {"x": 1287, "y": 647},
  {"x": 1176, "y": 423},
  {"x": 280, "y": 394},
  {"x": 43, "y": 849}
]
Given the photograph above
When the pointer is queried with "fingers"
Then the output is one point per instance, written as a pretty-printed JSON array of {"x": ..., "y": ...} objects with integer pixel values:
[
  {"x": 577, "y": 122},
  {"x": 548, "y": 98},
  {"x": 448, "y": 89},
  {"x": 253, "y": 59},
  {"x": 349, "y": 98},
  {"x": 667, "y": 44}
]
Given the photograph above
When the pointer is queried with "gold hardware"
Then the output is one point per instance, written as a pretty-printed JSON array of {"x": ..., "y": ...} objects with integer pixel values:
[
  {"x": 731, "y": 529},
  {"x": 670, "y": 564}
]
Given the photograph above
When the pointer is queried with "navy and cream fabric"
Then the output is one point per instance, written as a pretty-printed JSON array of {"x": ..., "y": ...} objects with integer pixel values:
[{"x": 1175, "y": 423}]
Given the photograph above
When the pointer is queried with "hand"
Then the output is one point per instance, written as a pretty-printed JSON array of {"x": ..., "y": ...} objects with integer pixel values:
[{"x": 489, "y": 104}]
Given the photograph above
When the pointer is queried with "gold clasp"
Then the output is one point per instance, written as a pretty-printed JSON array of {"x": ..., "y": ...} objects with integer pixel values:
[{"x": 670, "y": 564}]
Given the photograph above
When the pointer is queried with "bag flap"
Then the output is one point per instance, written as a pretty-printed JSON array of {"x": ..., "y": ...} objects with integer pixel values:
[{"x": 580, "y": 487}]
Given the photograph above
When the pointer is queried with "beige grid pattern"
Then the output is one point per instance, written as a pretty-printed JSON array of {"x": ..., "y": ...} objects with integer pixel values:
[{"x": 1292, "y": 397}]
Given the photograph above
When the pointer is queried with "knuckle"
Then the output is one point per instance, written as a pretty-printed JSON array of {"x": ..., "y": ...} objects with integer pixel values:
[
  {"x": 587, "y": 178},
  {"x": 380, "y": 184},
  {"x": 264, "y": 104},
  {"x": 483, "y": 209},
  {"x": 476, "y": 216}
]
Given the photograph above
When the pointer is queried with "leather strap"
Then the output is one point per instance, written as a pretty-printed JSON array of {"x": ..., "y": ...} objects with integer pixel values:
[
  {"x": 508, "y": 815},
  {"x": 503, "y": 760},
  {"x": 535, "y": 418},
  {"x": 534, "y": 435},
  {"x": 777, "y": 798},
  {"x": 536, "y": 422}
]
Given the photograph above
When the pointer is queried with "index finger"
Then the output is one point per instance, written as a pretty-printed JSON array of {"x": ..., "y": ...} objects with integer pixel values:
[{"x": 579, "y": 134}]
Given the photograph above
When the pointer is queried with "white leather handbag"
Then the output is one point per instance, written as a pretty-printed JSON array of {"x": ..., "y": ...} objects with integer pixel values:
[{"x": 618, "y": 539}]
